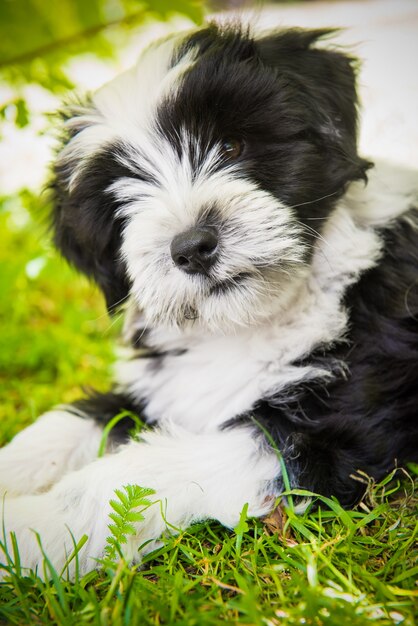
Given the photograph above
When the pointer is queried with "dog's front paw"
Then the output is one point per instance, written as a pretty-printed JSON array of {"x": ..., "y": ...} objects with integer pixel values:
[
  {"x": 48, "y": 527},
  {"x": 93, "y": 503},
  {"x": 58, "y": 442},
  {"x": 47, "y": 533}
]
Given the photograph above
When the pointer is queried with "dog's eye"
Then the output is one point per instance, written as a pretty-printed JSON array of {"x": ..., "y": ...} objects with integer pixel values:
[{"x": 231, "y": 148}]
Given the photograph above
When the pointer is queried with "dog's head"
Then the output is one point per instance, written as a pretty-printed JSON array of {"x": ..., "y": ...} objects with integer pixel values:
[{"x": 198, "y": 182}]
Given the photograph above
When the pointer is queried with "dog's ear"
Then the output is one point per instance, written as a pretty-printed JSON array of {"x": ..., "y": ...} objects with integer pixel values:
[
  {"x": 326, "y": 80},
  {"x": 85, "y": 227}
]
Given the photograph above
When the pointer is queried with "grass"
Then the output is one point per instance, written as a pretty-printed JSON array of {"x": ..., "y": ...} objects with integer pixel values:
[{"x": 326, "y": 567}]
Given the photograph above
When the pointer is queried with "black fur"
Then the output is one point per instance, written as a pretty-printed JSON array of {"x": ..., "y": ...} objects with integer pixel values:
[
  {"x": 84, "y": 225},
  {"x": 366, "y": 419},
  {"x": 103, "y": 407}
]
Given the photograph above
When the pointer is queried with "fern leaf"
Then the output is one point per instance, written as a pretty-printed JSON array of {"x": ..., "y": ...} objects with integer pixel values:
[
  {"x": 124, "y": 515},
  {"x": 116, "y": 506}
]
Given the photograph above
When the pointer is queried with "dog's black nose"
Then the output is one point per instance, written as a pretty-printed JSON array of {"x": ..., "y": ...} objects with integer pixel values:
[{"x": 195, "y": 250}]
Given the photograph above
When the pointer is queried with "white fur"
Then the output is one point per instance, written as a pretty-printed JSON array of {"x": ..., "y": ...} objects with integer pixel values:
[
  {"x": 391, "y": 191},
  {"x": 58, "y": 442},
  {"x": 123, "y": 109},
  {"x": 195, "y": 477}
]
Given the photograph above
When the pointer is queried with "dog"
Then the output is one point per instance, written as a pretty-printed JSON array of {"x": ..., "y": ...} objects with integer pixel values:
[{"x": 268, "y": 276}]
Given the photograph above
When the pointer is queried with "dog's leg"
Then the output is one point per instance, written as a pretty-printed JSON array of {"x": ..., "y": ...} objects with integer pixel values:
[
  {"x": 58, "y": 442},
  {"x": 64, "y": 440},
  {"x": 195, "y": 477}
]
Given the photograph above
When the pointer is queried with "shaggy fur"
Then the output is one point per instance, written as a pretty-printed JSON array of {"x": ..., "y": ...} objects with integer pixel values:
[{"x": 215, "y": 193}]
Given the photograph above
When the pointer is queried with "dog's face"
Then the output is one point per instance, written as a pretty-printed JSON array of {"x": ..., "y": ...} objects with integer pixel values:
[{"x": 198, "y": 182}]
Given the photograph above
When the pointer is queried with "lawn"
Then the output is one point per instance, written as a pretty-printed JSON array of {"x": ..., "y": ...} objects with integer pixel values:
[{"x": 328, "y": 566}]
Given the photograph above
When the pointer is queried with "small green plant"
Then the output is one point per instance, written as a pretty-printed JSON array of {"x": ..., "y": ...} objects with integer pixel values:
[
  {"x": 127, "y": 510},
  {"x": 138, "y": 425}
]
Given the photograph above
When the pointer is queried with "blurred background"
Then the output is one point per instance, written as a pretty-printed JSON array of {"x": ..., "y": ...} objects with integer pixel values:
[{"x": 55, "y": 334}]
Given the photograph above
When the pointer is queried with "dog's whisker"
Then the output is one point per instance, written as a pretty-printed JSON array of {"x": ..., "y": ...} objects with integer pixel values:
[
  {"x": 327, "y": 243},
  {"x": 115, "y": 320},
  {"x": 319, "y": 199}
]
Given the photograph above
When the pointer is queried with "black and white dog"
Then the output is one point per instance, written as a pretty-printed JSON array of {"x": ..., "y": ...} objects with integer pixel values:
[{"x": 271, "y": 293}]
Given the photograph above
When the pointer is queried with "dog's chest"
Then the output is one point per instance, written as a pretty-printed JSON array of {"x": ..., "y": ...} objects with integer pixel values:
[
  {"x": 199, "y": 388},
  {"x": 212, "y": 380}
]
